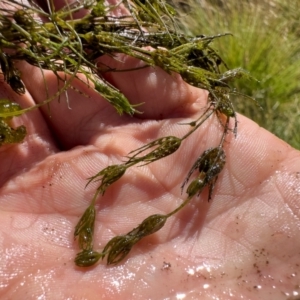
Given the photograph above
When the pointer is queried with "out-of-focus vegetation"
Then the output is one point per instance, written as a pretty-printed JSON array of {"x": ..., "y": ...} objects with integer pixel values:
[{"x": 266, "y": 42}]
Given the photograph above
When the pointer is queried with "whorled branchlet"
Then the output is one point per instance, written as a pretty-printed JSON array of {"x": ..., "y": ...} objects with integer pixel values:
[
  {"x": 222, "y": 105},
  {"x": 210, "y": 164},
  {"x": 197, "y": 185},
  {"x": 150, "y": 225},
  {"x": 118, "y": 247},
  {"x": 108, "y": 176},
  {"x": 165, "y": 146},
  {"x": 87, "y": 258},
  {"x": 84, "y": 229},
  {"x": 114, "y": 97}
]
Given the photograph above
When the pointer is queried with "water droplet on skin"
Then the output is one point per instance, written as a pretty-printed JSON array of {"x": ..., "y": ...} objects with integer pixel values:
[
  {"x": 191, "y": 271},
  {"x": 258, "y": 287},
  {"x": 152, "y": 268},
  {"x": 180, "y": 296},
  {"x": 199, "y": 268},
  {"x": 206, "y": 286},
  {"x": 116, "y": 283}
]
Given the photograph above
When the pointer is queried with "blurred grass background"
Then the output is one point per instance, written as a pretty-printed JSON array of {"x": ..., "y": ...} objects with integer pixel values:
[{"x": 265, "y": 42}]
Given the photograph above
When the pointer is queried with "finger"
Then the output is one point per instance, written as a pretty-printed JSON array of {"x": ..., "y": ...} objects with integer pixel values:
[
  {"x": 77, "y": 114},
  {"x": 77, "y": 117},
  {"x": 159, "y": 94}
]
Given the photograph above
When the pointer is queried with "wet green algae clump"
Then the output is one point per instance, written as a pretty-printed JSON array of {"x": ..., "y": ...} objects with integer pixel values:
[{"x": 53, "y": 40}]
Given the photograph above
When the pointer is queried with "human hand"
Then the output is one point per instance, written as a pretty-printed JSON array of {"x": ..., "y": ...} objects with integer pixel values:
[{"x": 242, "y": 243}]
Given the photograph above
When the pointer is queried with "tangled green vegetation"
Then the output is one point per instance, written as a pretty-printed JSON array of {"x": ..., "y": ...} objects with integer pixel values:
[
  {"x": 265, "y": 42},
  {"x": 69, "y": 47}
]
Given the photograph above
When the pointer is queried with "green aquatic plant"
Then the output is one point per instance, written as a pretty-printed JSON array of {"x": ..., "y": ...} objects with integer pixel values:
[
  {"x": 209, "y": 164},
  {"x": 8, "y": 134},
  {"x": 53, "y": 40}
]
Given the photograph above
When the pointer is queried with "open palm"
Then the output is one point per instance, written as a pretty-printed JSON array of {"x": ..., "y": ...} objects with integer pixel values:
[{"x": 243, "y": 244}]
